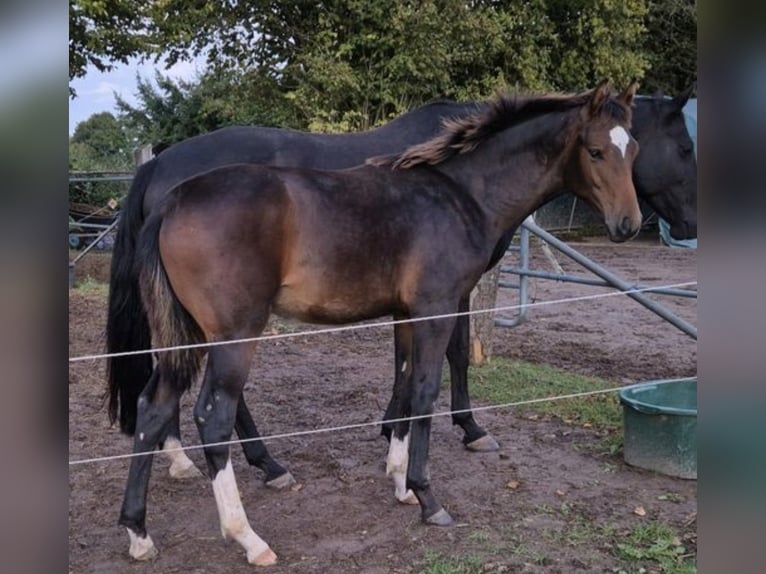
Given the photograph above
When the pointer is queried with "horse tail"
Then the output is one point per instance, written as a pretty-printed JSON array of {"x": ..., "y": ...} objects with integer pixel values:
[
  {"x": 170, "y": 323},
  {"x": 127, "y": 327}
]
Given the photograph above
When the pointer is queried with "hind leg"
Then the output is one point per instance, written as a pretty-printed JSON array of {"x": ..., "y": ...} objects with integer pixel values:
[
  {"x": 215, "y": 414},
  {"x": 398, "y": 433},
  {"x": 157, "y": 405},
  {"x": 181, "y": 466},
  {"x": 257, "y": 455},
  {"x": 475, "y": 438}
]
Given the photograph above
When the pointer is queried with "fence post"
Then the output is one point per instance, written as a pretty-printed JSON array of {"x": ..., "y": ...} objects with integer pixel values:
[
  {"x": 142, "y": 154},
  {"x": 483, "y": 296}
]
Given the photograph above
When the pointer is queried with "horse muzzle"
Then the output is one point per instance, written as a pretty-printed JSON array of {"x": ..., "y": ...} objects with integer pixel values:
[{"x": 626, "y": 228}]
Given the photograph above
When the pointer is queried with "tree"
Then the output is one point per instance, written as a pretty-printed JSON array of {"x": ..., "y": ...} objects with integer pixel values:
[
  {"x": 100, "y": 143},
  {"x": 671, "y": 45},
  {"x": 596, "y": 40},
  {"x": 102, "y": 33},
  {"x": 175, "y": 110}
]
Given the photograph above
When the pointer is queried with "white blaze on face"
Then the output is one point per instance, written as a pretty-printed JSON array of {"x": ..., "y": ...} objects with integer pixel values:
[{"x": 620, "y": 138}]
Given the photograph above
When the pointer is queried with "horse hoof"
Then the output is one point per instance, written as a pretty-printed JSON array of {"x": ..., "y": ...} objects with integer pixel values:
[
  {"x": 182, "y": 471},
  {"x": 281, "y": 482},
  {"x": 484, "y": 444},
  {"x": 439, "y": 518},
  {"x": 408, "y": 498},
  {"x": 142, "y": 549},
  {"x": 265, "y": 558}
]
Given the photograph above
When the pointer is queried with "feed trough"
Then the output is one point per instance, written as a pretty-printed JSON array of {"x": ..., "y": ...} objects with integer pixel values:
[{"x": 660, "y": 422}]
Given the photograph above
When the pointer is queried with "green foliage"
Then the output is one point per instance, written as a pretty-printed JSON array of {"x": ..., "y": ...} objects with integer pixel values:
[
  {"x": 102, "y": 33},
  {"x": 343, "y": 65},
  {"x": 671, "y": 45},
  {"x": 598, "y": 39},
  {"x": 100, "y": 143},
  {"x": 175, "y": 110}
]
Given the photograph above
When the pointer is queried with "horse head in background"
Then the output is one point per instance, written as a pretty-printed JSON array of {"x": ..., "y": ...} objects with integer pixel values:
[{"x": 665, "y": 173}]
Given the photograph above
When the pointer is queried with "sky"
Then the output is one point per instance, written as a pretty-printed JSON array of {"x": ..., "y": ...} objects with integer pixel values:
[{"x": 95, "y": 91}]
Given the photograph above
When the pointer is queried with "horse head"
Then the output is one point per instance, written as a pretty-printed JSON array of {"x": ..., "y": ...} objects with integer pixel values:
[
  {"x": 600, "y": 165},
  {"x": 665, "y": 171}
]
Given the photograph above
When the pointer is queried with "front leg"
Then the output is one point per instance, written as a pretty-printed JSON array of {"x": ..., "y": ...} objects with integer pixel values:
[
  {"x": 430, "y": 340},
  {"x": 458, "y": 355}
]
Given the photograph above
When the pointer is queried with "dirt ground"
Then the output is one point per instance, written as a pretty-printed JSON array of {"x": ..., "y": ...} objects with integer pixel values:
[{"x": 343, "y": 518}]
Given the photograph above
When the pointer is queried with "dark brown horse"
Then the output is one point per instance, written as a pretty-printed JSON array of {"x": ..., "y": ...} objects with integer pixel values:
[
  {"x": 664, "y": 175},
  {"x": 406, "y": 235}
]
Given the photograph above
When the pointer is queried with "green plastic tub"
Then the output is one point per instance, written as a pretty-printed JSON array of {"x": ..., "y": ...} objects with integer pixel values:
[{"x": 661, "y": 427}]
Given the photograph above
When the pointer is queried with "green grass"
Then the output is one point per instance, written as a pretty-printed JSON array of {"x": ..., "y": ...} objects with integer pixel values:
[
  {"x": 438, "y": 563},
  {"x": 504, "y": 381},
  {"x": 658, "y": 543},
  {"x": 92, "y": 287}
]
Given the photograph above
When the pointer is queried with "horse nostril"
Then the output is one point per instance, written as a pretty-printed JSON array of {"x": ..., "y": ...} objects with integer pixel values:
[{"x": 626, "y": 226}]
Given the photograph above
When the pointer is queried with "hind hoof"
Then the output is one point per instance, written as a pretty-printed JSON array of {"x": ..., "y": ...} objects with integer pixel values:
[
  {"x": 265, "y": 558},
  {"x": 408, "y": 498},
  {"x": 484, "y": 444},
  {"x": 439, "y": 518},
  {"x": 281, "y": 482},
  {"x": 181, "y": 472},
  {"x": 141, "y": 548}
]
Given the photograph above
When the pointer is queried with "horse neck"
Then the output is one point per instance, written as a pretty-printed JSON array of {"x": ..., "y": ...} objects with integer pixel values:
[{"x": 516, "y": 171}]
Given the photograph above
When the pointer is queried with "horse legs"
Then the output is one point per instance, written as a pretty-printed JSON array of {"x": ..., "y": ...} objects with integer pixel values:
[
  {"x": 430, "y": 340},
  {"x": 215, "y": 414},
  {"x": 398, "y": 433},
  {"x": 393, "y": 410},
  {"x": 156, "y": 406},
  {"x": 475, "y": 438},
  {"x": 181, "y": 465},
  {"x": 257, "y": 455},
  {"x": 277, "y": 476}
]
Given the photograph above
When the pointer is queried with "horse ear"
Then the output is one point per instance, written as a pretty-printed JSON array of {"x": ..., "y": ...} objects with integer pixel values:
[
  {"x": 681, "y": 99},
  {"x": 599, "y": 97},
  {"x": 629, "y": 93}
]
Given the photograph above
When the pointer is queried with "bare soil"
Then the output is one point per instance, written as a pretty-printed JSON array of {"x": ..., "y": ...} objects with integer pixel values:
[{"x": 343, "y": 517}]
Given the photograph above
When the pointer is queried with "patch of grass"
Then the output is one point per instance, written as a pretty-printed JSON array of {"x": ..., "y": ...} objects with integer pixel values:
[
  {"x": 654, "y": 542},
  {"x": 505, "y": 381},
  {"x": 438, "y": 563},
  {"x": 92, "y": 287}
]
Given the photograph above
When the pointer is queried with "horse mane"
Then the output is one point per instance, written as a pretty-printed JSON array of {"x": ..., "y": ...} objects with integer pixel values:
[{"x": 462, "y": 135}]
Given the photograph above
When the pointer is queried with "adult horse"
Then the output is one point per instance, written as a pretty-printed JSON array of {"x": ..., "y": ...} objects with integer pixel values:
[
  {"x": 664, "y": 175},
  {"x": 406, "y": 235}
]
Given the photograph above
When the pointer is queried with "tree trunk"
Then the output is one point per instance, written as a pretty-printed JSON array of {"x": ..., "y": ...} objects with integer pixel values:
[{"x": 483, "y": 296}]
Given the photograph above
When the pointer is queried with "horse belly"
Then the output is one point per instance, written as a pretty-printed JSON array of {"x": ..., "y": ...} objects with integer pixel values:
[{"x": 317, "y": 303}]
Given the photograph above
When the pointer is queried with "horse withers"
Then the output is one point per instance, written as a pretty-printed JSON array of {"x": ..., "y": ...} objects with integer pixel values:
[{"x": 416, "y": 230}]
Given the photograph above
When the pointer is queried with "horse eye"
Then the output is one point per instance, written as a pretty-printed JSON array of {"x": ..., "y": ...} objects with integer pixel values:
[
  {"x": 685, "y": 149},
  {"x": 595, "y": 153}
]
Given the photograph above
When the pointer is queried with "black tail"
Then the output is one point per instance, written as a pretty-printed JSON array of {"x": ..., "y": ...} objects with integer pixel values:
[
  {"x": 127, "y": 328},
  {"x": 170, "y": 323}
]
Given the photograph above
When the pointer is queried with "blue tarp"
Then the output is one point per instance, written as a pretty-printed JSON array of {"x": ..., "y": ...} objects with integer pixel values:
[{"x": 690, "y": 115}]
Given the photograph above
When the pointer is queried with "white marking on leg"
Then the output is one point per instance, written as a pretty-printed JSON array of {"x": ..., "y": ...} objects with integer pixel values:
[
  {"x": 396, "y": 467},
  {"x": 141, "y": 436},
  {"x": 141, "y": 548},
  {"x": 620, "y": 138},
  {"x": 181, "y": 465},
  {"x": 234, "y": 522},
  {"x": 404, "y": 366}
]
